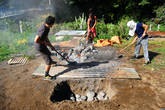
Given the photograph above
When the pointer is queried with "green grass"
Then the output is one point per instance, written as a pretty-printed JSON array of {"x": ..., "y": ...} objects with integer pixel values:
[
  {"x": 158, "y": 63},
  {"x": 156, "y": 43},
  {"x": 13, "y": 43},
  {"x": 5, "y": 52}
]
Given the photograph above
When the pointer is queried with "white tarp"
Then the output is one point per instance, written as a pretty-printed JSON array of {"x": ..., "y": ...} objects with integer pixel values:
[{"x": 71, "y": 33}]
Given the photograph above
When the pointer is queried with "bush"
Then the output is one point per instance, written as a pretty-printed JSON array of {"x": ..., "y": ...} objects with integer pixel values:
[
  {"x": 5, "y": 52},
  {"x": 160, "y": 15},
  {"x": 101, "y": 28},
  {"x": 119, "y": 29},
  {"x": 123, "y": 29}
]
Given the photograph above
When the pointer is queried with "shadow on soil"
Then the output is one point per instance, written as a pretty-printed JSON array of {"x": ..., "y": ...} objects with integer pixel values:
[{"x": 152, "y": 55}]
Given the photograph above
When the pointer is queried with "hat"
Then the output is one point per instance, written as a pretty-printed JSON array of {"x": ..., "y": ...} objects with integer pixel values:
[{"x": 132, "y": 27}]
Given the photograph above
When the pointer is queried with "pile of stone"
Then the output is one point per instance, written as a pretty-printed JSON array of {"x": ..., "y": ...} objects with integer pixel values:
[
  {"x": 87, "y": 53},
  {"x": 79, "y": 54},
  {"x": 82, "y": 53},
  {"x": 90, "y": 96}
]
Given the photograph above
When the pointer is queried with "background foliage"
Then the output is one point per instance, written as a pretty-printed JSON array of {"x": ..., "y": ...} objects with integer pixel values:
[{"x": 112, "y": 16}]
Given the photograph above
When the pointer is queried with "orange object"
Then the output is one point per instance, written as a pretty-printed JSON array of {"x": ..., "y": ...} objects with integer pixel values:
[
  {"x": 116, "y": 39},
  {"x": 105, "y": 42},
  {"x": 102, "y": 43}
]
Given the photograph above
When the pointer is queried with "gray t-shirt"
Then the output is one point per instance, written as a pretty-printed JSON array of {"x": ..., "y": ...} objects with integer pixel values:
[{"x": 43, "y": 34}]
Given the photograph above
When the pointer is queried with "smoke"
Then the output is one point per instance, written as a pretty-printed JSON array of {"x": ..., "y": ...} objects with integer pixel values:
[
  {"x": 64, "y": 10},
  {"x": 25, "y": 4}
]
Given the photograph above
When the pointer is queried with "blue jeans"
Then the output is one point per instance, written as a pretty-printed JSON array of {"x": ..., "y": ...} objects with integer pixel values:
[{"x": 142, "y": 42}]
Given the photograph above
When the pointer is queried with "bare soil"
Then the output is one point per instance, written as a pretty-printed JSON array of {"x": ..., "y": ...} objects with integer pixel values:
[{"x": 19, "y": 90}]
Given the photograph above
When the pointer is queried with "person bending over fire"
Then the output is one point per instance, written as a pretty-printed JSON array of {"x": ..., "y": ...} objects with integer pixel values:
[{"x": 42, "y": 41}]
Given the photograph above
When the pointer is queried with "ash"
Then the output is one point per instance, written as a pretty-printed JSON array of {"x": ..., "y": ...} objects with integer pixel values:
[{"x": 84, "y": 54}]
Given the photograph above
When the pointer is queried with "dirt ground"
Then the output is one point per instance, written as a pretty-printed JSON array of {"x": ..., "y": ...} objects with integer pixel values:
[{"x": 19, "y": 90}]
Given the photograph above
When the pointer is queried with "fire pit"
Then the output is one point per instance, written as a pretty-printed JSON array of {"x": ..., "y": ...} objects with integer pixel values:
[{"x": 91, "y": 63}]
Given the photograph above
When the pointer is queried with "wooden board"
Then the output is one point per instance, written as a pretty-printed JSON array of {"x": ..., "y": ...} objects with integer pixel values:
[
  {"x": 18, "y": 60},
  {"x": 125, "y": 73}
]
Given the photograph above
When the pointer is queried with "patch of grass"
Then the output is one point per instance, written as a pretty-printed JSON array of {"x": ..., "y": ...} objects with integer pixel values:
[
  {"x": 5, "y": 52},
  {"x": 158, "y": 63},
  {"x": 156, "y": 43},
  {"x": 29, "y": 56}
]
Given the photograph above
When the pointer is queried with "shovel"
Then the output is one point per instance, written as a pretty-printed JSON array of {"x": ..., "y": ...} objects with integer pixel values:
[
  {"x": 70, "y": 63},
  {"x": 125, "y": 47},
  {"x": 120, "y": 56}
]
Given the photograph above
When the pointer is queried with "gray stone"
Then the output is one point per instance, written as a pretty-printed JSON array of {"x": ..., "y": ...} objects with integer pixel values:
[
  {"x": 95, "y": 51},
  {"x": 78, "y": 99},
  {"x": 90, "y": 95},
  {"x": 70, "y": 52},
  {"x": 106, "y": 98},
  {"x": 77, "y": 96},
  {"x": 72, "y": 98},
  {"x": 83, "y": 53},
  {"x": 101, "y": 95},
  {"x": 83, "y": 58},
  {"x": 87, "y": 49},
  {"x": 83, "y": 98},
  {"x": 90, "y": 99}
]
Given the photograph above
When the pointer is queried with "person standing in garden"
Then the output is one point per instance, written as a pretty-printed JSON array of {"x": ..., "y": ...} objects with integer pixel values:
[
  {"x": 92, "y": 20},
  {"x": 42, "y": 41},
  {"x": 139, "y": 30}
]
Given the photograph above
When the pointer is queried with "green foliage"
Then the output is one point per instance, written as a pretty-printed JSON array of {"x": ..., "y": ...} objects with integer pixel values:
[
  {"x": 5, "y": 52},
  {"x": 28, "y": 26},
  {"x": 81, "y": 21},
  {"x": 15, "y": 43},
  {"x": 144, "y": 2},
  {"x": 109, "y": 30},
  {"x": 78, "y": 24},
  {"x": 160, "y": 15},
  {"x": 154, "y": 26},
  {"x": 101, "y": 28}
]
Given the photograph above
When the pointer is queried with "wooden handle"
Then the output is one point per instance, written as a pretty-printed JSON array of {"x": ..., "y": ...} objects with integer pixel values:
[{"x": 125, "y": 47}]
